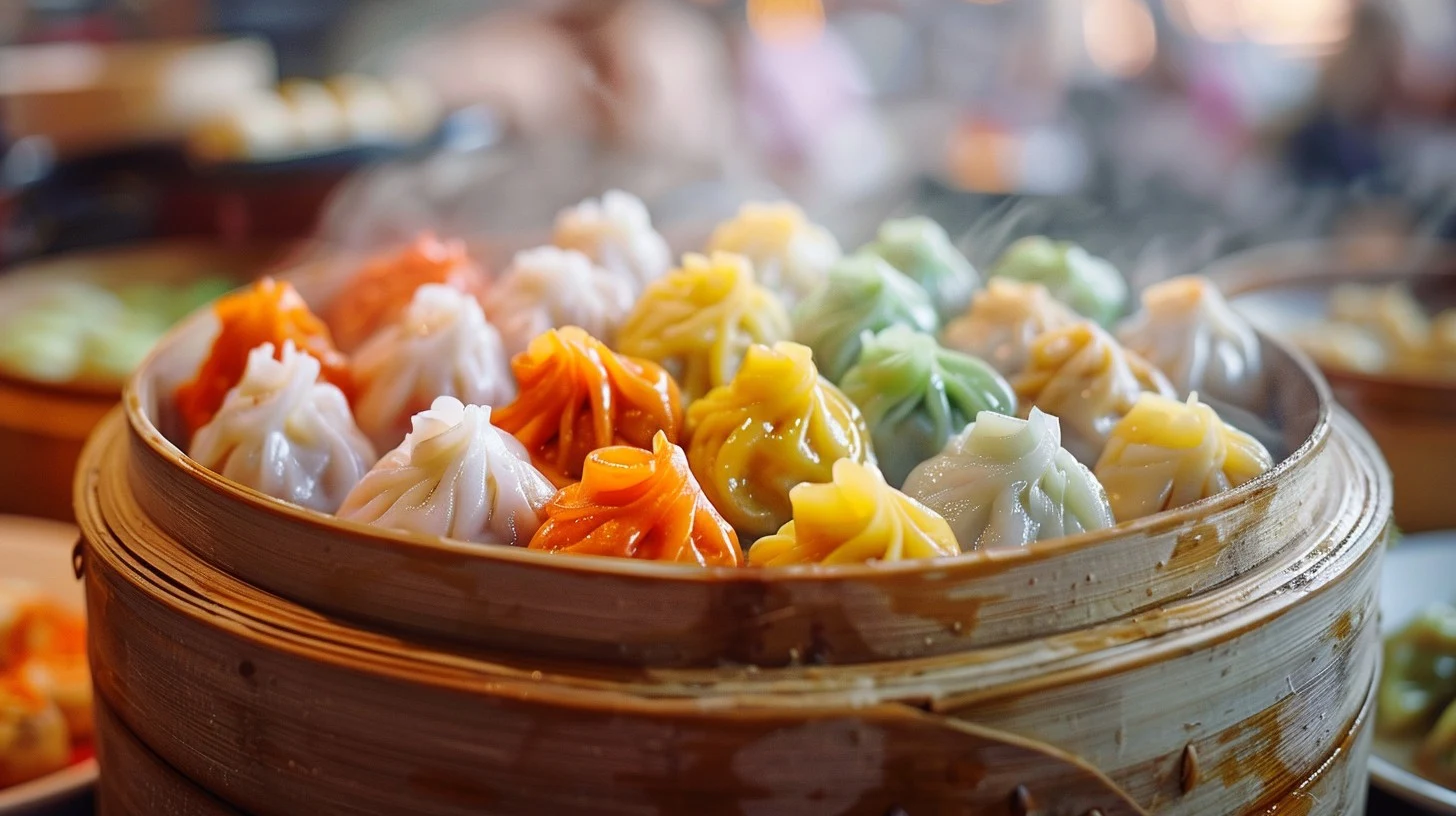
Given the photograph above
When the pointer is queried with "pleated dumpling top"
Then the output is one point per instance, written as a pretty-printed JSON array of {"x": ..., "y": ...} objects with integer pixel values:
[
  {"x": 1004, "y": 319},
  {"x": 383, "y": 288},
  {"x": 616, "y": 233},
  {"x": 548, "y": 287},
  {"x": 922, "y": 251},
  {"x": 790, "y": 254},
  {"x": 1188, "y": 330},
  {"x": 862, "y": 294},
  {"x": 1090, "y": 285}
]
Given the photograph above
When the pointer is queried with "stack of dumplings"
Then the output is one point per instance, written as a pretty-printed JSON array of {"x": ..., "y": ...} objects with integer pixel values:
[{"x": 765, "y": 403}]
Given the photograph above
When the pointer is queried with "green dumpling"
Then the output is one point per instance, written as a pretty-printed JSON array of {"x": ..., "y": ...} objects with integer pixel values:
[
  {"x": 1419, "y": 678},
  {"x": 922, "y": 251},
  {"x": 1090, "y": 285},
  {"x": 915, "y": 395},
  {"x": 862, "y": 293}
]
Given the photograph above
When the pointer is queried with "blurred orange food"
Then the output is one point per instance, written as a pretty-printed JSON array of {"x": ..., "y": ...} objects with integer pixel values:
[{"x": 45, "y": 686}]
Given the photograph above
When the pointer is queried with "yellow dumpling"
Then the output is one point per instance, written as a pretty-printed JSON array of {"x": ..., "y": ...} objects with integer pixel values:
[
  {"x": 778, "y": 423},
  {"x": 856, "y": 518},
  {"x": 699, "y": 320}
]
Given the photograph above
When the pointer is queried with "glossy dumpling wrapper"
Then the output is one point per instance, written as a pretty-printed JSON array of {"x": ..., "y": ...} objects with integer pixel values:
[
  {"x": 441, "y": 346},
  {"x": 1189, "y": 332},
  {"x": 778, "y": 423},
  {"x": 699, "y": 320},
  {"x": 1090, "y": 285},
  {"x": 635, "y": 503},
  {"x": 455, "y": 475},
  {"x": 616, "y": 233},
  {"x": 790, "y": 254},
  {"x": 283, "y": 432},
  {"x": 1087, "y": 380},
  {"x": 1003, "y": 320},
  {"x": 577, "y": 395},
  {"x": 1006, "y": 482},
  {"x": 922, "y": 251},
  {"x": 1164, "y": 454},
  {"x": 383, "y": 288},
  {"x": 548, "y": 288},
  {"x": 1415, "y": 683},
  {"x": 915, "y": 395},
  {"x": 269, "y": 312},
  {"x": 862, "y": 294}
]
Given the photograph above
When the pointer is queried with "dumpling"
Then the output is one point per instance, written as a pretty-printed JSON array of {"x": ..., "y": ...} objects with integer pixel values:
[
  {"x": 577, "y": 395},
  {"x": 34, "y": 740},
  {"x": 921, "y": 250},
  {"x": 1006, "y": 482},
  {"x": 284, "y": 433},
  {"x": 699, "y": 321},
  {"x": 1165, "y": 454},
  {"x": 1188, "y": 331},
  {"x": 441, "y": 346},
  {"x": 778, "y": 423},
  {"x": 381, "y": 291},
  {"x": 1003, "y": 321},
  {"x": 549, "y": 287},
  {"x": 1389, "y": 313},
  {"x": 854, "y": 519},
  {"x": 455, "y": 475},
  {"x": 1414, "y": 688},
  {"x": 616, "y": 233},
  {"x": 1081, "y": 375},
  {"x": 915, "y": 395},
  {"x": 267, "y": 312},
  {"x": 1090, "y": 285},
  {"x": 1342, "y": 346},
  {"x": 790, "y": 254},
  {"x": 861, "y": 294},
  {"x": 634, "y": 503}
]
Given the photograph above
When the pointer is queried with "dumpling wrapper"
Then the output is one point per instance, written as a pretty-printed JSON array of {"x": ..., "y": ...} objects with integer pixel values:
[
  {"x": 548, "y": 288},
  {"x": 616, "y": 233},
  {"x": 1004, "y": 319},
  {"x": 1190, "y": 333},
  {"x": 34, "y": 739},
  {"x": 455, "y": 475},
  {"x": 920, "y": 249},
  {"x": 1090, "y": 285},
  {"x": 862, "y": 294},
  {"x": 384, "y": 287},
  {"x": 790, "y": 254},
  {"x": 699, "y": 320},
  {"x": 283, "y": 432}
]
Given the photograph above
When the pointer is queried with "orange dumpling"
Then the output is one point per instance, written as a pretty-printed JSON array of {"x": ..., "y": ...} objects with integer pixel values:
[
  {"x": 267, "y": 312},
  {"x": 577, "y": 395},
  {"x": 633, "y": 503},
  {"x": 380, "y": 291}
]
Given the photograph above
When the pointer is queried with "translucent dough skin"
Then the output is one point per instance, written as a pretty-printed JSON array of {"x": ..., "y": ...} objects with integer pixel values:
[
  {"x": 915, "y": 395},
  {"x": 790, "y": 254},
  {"x": 1006, "y": 482},
  {"x": 862, "y": 293},
  {"x": 1004, "y": 319},
  {"x": 1190, "y": 333},
  {"x": 267, "y": 312},
  {"x": 920, "y": 249},
  {"x": 1082, "y": 376},
  {"x": 616, "y": 233},
  {"x": 380, "y": 291},
  {"x": 778, "y": 423},
  {"x": 549, "y": 287},
  {"x": 633, "y": 503},
  {"x": 854, "y": 519},
  {"x": 576, "y": 395},
  {"x": 699, "y": 321},
  {"x": 1165, "y": 454},
  {"x": 1090, "y": 285}
]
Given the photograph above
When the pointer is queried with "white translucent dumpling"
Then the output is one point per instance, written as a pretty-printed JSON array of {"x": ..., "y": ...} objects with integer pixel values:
[
  {"x": 455, "y": 475},
  {"x": 1006, "y": 482},
  {"x": 1190, "y": 333},
  {"x": 548, "y": 288},
  {"x": 616, "y": 233},
  {"x": 285, "y": 433},
  {"x": 441, "y": 346}
]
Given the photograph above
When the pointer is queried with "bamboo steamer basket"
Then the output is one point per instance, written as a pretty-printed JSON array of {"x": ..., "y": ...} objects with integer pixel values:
[
  {"x": 1412, "y": 419},
  {"x": 1216, "y": 659}
]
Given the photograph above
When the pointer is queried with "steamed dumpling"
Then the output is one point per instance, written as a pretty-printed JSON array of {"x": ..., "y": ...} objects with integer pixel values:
[
  {"x": 861, "y": 294},
  {"x": 854, "y": 519},
  {"x": 699, "y": 321},
  {"x": 455, "y": 475},
  {"x": 1188, "y": 331},
  {"x": 1006, "y": 482},
  {"x": 377, "y": 295},
  {"x": 549, "y": 287},
  {"x": 915, "y": 395},
  {"x": 283, "y": 432},
  {"x": 778, "y": 423},
  {"x": 1165, "y": 454},
  {"x": 634, "y": 503},
  {"x": 921, "y": 250},
  {"x": 1388, "y": 312},
  {"x": 1088, "y": 284},
  {"x": 34, "y": 740},
  {"x": 1342, "y": 346},
  {"x": 1081, "y": 375},
  {"x": 441, "y": 346},
  {"x": 577, "y": 395},
  {"x": 616, "y": 234},
  {"x": 1003, "y": 321},
  {"x": 790, "y": 254}
]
